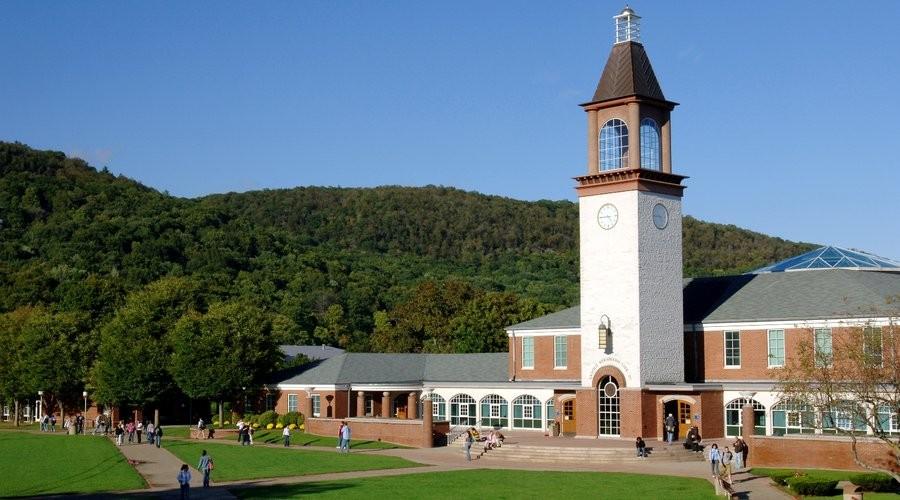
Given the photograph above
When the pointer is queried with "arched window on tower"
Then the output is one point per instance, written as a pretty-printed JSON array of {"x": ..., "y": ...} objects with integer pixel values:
[
  {"x": 650, "y": 151},
  {"x": 614, "y": 145}
]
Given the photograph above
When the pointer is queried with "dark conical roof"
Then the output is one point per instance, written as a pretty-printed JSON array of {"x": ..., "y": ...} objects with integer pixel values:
[{"x": 628, "y": 72}]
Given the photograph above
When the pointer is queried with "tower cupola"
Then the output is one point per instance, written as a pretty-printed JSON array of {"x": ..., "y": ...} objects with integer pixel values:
[{"x": 628, "y": 26}]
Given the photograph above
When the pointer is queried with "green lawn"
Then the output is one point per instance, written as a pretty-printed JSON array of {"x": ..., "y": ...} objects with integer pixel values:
[
  {"x": 43, "y": 464},
  {"x": 823, "y": 474},
  {"x": 494, "y": 483},
  {"x": 234, "y": 462},
  {"x": 303, "y": 439}
]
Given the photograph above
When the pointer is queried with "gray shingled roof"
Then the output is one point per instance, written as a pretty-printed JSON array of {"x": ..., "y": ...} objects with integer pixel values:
[
  {"x": 312, "y": 352},
  {"x": 628, "y": 72},
  {"x": 567, "y": 318},
  {"x": 819, "y": 294},
  {"x": 828, "y": 293},
  {"x": 383, "y": 368}
]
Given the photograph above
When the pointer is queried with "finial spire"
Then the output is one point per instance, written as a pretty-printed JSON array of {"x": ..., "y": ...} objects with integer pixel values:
[{"x": 628, "y": 26}]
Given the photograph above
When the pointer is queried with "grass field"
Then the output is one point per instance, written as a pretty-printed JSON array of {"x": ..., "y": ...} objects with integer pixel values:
[
  {"x": 826, "y": 475},
  {"x": 303, "y": 439},
  {"x": 43, "y": 464},
  {"x": 495, "y": 483},
  {"x": 234, "y": 462}
]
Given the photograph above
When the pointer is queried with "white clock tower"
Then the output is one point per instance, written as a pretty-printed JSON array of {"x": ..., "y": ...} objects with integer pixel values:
[{"x": 630, "y": 222}]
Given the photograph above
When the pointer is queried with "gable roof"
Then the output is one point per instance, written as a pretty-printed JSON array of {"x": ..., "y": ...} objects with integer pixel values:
[
  {"x": 386, "y": 368},
  {"x": 628, "y": 72},
  {"x": 312, "y": 352},
  {"x": 817, "y": 294}
]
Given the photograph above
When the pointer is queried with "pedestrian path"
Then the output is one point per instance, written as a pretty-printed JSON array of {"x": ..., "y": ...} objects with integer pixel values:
[{"x": 160, "y": 469}]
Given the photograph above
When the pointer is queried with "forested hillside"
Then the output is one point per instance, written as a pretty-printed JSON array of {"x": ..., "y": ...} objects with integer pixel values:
[{"x": 389, "y": 268}]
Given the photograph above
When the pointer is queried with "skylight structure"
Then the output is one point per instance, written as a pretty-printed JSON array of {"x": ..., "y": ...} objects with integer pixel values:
[{"x": 832, "y": 258}]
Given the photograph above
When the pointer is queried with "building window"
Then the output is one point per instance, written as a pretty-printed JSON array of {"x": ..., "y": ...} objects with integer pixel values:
[
  {"x": 650, "y": 150},
  {"x": 316, "y": 405},
  {"x": 793, "y": 417},
  {"x": 823, "y": 346},
  {"x": 462, "y": 410},
  {"x": 733, "y": 349},
  {"x": 561, "y": 351},
  {"x": 734, "y": 418},
  {"x": 438, "y": 407},
  {"x": 844, "y": 416},
  {"x": 551, "y": 411},
  {"x": 609, "y": 406},
  {"x": 370, "y": 406},
  {"x": 270, "y": 401},
  {"x": 614, "y": 145},
  {"x": 776, "y": 348},
  {"x": 872, "y": 345},
  {"x": 527, "y": 352},
  {"x": 527, "y": 413},
  {"x": 292, "y": 402},
  {"x": 5, "y": 412},
  {"x": 494, "y": 411},
  {"x": 888, "y": 420}
]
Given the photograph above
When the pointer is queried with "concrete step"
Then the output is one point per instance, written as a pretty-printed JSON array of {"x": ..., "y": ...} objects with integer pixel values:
[{"x": 548, "y": 454}]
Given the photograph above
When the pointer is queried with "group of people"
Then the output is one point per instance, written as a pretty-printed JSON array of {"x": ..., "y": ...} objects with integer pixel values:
[
  {"x": 133, "y": 432},
  {"x": 494, "y": 439},
  {"x": 48, "y": 423},
  {"x": 724, "y": 462},
  {"x": 245, "y": 433}
]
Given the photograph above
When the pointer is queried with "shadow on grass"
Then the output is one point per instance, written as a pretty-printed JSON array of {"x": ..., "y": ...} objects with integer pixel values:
[
  {"x": 247, "y": 489},
  {"x": 58, "y": 483}
]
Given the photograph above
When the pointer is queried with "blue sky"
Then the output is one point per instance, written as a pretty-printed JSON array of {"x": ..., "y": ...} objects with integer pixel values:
[{"x": 787, "y": 123}]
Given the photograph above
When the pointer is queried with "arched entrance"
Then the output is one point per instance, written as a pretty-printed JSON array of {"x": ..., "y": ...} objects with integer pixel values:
[
  {"x": 608, "y": 406},
  {"x": 568, "y": 416},
  {"x": 681, "y": 409}
]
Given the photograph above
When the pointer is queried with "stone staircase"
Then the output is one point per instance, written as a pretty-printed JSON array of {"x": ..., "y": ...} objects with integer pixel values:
[{"x": 581, "y": 455}]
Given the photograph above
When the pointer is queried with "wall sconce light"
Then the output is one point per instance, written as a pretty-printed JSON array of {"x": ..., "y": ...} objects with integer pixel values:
[{"x": 605, "y": 334}]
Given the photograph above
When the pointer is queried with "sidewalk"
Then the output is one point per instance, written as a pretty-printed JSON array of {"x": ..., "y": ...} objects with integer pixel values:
[{"x": 160, "y": 469}]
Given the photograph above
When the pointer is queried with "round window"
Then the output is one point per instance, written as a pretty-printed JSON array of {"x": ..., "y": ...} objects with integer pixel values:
[{"x": 610, "y": 389}]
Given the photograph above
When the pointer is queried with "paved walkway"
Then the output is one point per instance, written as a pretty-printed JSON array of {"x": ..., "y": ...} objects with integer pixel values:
[{"x": 160, "y": 468}]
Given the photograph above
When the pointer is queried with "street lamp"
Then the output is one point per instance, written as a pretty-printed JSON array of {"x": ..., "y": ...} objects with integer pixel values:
[
  {"x": 84, "y": 395},
  {"x": 40, "y": 408}
]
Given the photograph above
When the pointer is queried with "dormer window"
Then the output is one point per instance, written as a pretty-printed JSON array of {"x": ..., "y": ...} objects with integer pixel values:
[{"x": 614, "y": 145}]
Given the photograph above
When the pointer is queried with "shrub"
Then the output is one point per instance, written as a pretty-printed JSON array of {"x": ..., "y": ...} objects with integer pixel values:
[
  {"x": 279, "y": 425},
  {"x": 781, "y": 477},
  {"x": 289, "y": 418},
  {"x": 251, "y": 419},
  {"x": 292, "y": 426},
  {"x": 267, "y": 418},
  {"x": 228, "y": 422},
  {"x": 874, "y": 482},
  {"x": 269, "y": 426},
  {"x": 812, "y": 487},
  {"x": 256, "y": 425}
]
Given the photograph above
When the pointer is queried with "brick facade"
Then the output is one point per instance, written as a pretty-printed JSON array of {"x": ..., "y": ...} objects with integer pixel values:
[
  {"x": 825, "y": 452},
  {"x": 545, "y": 361},
  {"x": 397, "y": 431}
]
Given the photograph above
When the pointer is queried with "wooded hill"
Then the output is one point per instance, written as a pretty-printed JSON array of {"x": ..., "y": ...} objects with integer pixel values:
[{"x": 325, "y": 261}]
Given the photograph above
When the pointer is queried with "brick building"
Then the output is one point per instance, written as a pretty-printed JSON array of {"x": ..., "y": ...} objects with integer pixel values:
[{"x": 643, "y": 342}]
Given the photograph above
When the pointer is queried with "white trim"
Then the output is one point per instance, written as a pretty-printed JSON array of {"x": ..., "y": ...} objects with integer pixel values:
[
  {"x": 545, "y": 333},
  {"x": 788, "y": 324},
  {"x": 678, "y": 397}
]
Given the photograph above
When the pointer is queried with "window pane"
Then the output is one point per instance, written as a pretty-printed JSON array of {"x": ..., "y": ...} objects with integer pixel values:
[
  {"x": 560, "y": 347},
  {"x": 650, "y": 148},
  {"x": 528, "y": 352},
  {"x": 776, "y": 347},
  {"x": 614, "y": 145},
  {"x": 823, "y": 346},
  {"x": 732, "y": 348}
]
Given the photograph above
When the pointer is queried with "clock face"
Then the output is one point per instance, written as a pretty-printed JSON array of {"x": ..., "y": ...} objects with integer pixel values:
[
  {"x": 660, "y": 216},
  {"x": 607, "y": 216}
]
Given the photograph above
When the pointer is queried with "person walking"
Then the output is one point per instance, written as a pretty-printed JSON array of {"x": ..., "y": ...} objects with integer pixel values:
[
  {"x": 714, "y": 458},
  {"x": 79, "y": 424},
  {"x": 727, "y": 461},
  {"x": 745, "y": 452},
  {"x": 286, "y": 433},
  {"x": 670, "y": 429},
  {"x": 205, "y": 466},
  {"x": 470, "y": 438},
  {"x": 129, "y": 429},
  {"x": 345, "y": 438},
  {"x": 240, "y": 428},
  {"x": 138, "y": 429},
  {"x": 158, "y": 435},
  {"x": 184, "y": 479},
  {"x": 250, "y": 432},
  {"x": 53, "y": 423},
  {"x": 738, "y": 456},
  {"x": 120, "y": 434},
  {"x": 151, "y": 433}
]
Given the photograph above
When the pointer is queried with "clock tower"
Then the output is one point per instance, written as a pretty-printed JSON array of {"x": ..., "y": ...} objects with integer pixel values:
[{"x": 630, "y": 235}]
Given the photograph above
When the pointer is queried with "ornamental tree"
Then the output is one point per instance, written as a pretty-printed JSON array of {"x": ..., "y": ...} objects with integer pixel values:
[{"x": 850, "y": 382}]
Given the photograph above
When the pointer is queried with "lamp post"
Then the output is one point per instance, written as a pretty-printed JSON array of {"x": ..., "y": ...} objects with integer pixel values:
[
  {"x": 40, "y": 408},
  {"x": 84, "y": 395}
]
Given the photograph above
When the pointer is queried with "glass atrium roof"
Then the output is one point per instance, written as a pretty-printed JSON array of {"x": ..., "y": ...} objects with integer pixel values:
[{"x": 832, "y": 258}]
